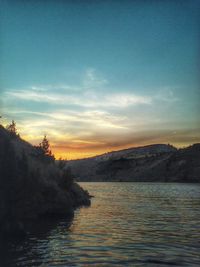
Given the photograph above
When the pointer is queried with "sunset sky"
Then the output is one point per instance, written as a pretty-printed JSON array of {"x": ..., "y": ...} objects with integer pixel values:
[{"x": 97, "y": 76}]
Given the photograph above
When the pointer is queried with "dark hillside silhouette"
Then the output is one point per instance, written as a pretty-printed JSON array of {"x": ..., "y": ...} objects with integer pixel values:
[
  {"x": 32, "y": 187},
  {"x": 153, "y": 163}
]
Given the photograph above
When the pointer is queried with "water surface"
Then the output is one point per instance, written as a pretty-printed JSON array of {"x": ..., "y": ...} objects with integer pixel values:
[{"x": 128, "y": 224}]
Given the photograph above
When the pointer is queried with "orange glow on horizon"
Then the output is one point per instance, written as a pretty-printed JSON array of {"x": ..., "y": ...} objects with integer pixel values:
[
  {"x": 75, "y": 153},
  {"x": 80, "y": 154},
  {"x": 78, "y": 149}
]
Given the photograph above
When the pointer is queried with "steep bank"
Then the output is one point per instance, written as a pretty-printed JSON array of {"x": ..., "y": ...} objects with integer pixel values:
[
  {"x": 32, "y": 186},
  {"x": 159, "y": 163}
]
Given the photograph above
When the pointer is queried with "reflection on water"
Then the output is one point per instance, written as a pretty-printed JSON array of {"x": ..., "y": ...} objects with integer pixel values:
[{"x": 128, "y": 224}]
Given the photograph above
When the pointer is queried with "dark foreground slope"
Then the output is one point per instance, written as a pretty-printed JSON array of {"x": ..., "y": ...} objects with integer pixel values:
[
  {"x": 32, "y": 186},
  {"x": 159, "y": 163}
]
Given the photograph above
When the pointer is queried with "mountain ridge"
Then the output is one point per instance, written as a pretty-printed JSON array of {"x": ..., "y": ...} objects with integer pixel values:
[
  {"x": 156, "y": 162},
  {"x": 107, "y": 154}
]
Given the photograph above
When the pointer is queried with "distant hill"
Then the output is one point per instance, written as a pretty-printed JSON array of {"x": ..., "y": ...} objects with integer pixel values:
[
  {"x": 137, "y": 152},
  {"x": 32, "y": 186},
  {"x": 159, "y": 162}
]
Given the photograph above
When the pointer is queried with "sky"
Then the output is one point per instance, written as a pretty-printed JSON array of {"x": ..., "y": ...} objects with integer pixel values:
[{"x": 98, "y": 76}]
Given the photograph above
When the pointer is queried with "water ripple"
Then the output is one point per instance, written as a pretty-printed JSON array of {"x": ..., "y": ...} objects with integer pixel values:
[{"x": 128, "y": 224}]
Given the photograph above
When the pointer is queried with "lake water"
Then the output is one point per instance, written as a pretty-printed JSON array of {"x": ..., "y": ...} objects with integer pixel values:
[{"x": 128, "y": 224}]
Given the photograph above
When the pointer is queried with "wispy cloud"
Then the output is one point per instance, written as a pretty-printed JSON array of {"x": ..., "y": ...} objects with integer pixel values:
[
  {"x": 90, "y": 116},
  {"x": 62, "y": 125},
  {"x": 86, "y": 99},
  {"x": 93, "y": 92},
  {"x": 91, "y": 80},
  {"x": 166, "y": 94}
]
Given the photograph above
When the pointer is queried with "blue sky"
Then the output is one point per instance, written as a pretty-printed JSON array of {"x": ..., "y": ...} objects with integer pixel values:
[{"x": 101, "y": 75}]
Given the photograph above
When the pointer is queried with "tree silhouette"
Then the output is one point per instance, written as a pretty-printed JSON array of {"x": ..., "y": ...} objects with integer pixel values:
[
  {"x": 44, "y": 145},
  {"x": 61, "y": 163},
  {"x": 12, "y": 128}
]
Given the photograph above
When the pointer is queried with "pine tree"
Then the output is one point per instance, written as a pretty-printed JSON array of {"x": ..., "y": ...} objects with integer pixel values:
[
  {"x": 12, "y": 128},
  {"x": 44, "y": 145}
]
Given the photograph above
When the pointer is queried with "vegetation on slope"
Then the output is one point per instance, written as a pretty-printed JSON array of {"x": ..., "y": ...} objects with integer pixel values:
[
  {"x": 154, "y": 163},
  {"x": 32, "y": 186}
]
